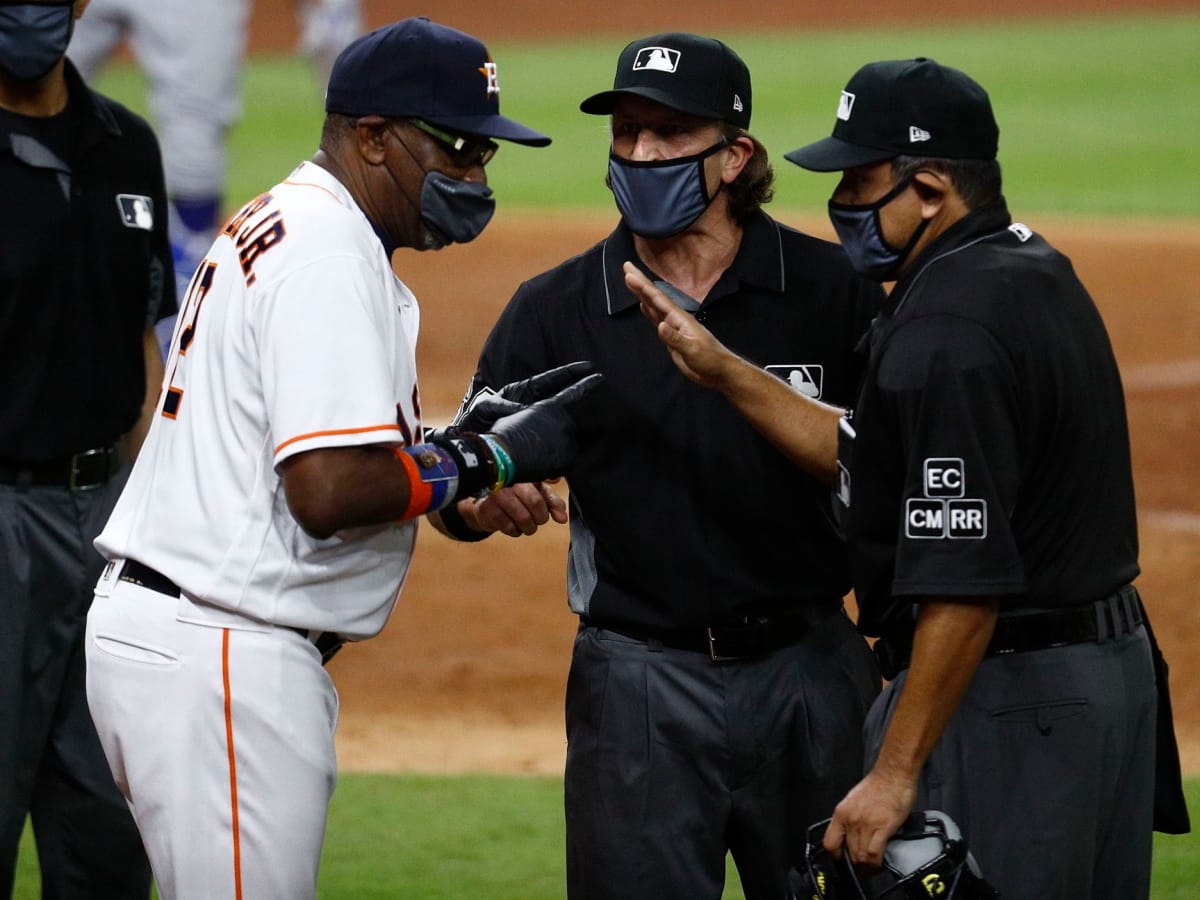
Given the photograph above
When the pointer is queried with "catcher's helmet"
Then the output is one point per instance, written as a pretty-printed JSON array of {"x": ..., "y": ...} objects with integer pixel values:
[{"x": 926, "y": 858}]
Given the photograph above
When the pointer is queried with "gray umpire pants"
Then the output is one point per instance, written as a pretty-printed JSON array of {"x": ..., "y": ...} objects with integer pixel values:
[
  {"x": 673, "y": 760},
  {"x": 51, "y": 764},
  {"x": 1047, "y": 766}
]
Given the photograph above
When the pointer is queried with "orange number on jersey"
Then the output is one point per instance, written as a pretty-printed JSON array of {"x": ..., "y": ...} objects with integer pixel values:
[{"x": 201, "y": 283}]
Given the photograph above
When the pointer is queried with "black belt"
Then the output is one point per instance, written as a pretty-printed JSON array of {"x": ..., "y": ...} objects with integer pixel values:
[
  {"x": 752, "y": 637},
  {"x": 1096, "y": 622},
  {"x": 328, "y": 643},
  {"x": 144, "y": 576},
  {"x": 82, "y": 471}
]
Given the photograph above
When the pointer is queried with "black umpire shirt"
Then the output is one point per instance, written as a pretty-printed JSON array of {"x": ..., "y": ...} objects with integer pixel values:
[
  {"x": 992, "y": 450},
  {"x": 85, "y": 268},
  {"x": 681, "y": 515}
]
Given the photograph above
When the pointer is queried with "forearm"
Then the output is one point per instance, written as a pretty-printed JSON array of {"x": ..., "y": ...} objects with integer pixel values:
[
  {"x": 948, "y": 645},
  {"x": 803, "y": 429},
  {"x": 345, "y": 487}
]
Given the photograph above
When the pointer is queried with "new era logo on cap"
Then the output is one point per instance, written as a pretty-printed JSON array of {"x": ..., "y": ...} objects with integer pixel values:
[
  {"x": 916, "y": 135},
  {"x": 660, "y": 59}
]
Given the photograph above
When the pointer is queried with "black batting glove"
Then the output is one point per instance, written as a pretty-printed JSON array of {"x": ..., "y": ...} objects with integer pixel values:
[
  {"x": 487, "y": 406},
  {"x": 539, "y": 439}
]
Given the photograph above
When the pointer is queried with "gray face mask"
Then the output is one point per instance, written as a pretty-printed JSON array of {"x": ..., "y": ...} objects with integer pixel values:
[
  {"x": 455, "y": 211},
  {"x": 861, "y": 234},
  {"x": 33, "y": 37},
  {"x": 661, "y": 198}
]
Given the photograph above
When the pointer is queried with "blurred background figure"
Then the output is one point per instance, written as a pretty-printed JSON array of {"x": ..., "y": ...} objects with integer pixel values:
[
  {"x": 192, "y": 55},
  {"x": 326, "y": 26}
]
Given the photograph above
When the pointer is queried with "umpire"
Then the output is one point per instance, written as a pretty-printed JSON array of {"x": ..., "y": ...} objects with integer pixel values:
[
  {"x": 988, "y": 506},
  {"x": 717, "y": 689},
  {"x": 84, "y": 267}
]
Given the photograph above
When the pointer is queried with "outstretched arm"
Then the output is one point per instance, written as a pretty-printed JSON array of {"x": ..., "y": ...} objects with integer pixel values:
[
  {"x": 341, "y": 487},
  {"x": 803, "y": 429}
]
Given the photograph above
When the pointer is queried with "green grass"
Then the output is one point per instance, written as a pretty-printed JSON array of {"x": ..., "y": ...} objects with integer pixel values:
[
  {"x": 430, "y": 838},
  {"x": 1097, "y": 115}
]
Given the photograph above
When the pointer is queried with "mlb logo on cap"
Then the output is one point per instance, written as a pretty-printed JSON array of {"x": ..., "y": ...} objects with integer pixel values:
[
  {"x": 845, "y": 106},
  {"x": 662, "y": 59},
  {"x": 693, "y": 74}
]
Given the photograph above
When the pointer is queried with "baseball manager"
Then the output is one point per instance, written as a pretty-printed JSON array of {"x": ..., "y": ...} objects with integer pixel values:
[{"x": 273, "y": 512}]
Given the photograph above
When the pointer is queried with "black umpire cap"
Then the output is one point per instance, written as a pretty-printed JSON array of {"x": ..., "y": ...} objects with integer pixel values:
[
  {"x": 900, "y": 107},
  {"x": 692, "y": 74}
]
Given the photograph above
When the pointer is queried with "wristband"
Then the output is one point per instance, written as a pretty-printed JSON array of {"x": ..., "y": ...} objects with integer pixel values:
[
  {"x": 432, "y": 477},
  {"x": 505, "y": 470},
  {"x": 457, "y": 526},
  {"x": 476, "y": 464}
]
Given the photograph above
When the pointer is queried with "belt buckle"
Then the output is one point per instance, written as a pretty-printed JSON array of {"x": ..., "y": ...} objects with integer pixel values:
[
  {"x": 73, "y": 481},
  {"x": 712, "y": 648},
  {"x": 745, "y": 645}
]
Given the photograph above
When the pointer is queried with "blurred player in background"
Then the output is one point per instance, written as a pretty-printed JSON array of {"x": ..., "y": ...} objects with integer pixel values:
[{"x": 192, "y": 55}]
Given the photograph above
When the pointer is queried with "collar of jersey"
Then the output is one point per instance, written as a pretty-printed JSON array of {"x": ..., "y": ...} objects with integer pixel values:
[
  {"x": 758, "y": 264},
  {"x": 977, "y": 225}
]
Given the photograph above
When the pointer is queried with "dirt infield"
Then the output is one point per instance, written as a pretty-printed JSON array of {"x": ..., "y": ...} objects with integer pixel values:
[{"x": 470, "y": 672}]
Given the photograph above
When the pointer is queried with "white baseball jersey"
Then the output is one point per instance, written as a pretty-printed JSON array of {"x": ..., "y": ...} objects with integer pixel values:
[{"x": 295, "y": 335}]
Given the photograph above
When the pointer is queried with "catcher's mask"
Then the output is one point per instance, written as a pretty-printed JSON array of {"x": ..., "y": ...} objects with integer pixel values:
[{"x": 926, "y": 858}]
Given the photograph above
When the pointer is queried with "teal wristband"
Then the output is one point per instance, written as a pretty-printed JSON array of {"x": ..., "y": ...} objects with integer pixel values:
[{"x": 505, "y": 470}]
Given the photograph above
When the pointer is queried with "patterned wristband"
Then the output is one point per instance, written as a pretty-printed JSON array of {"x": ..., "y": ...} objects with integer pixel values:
[
  {"x": 432, "y": 478},
  {"x": 475, "y": 461}
]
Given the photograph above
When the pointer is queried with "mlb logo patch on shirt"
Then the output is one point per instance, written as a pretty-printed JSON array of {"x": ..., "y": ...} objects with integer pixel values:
[
  {"x": 137, "y": 211},
  {"x": 806, "y": 378}
]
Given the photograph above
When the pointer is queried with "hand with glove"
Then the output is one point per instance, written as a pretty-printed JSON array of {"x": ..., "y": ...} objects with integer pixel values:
[
  {"x": 486, "y": 406},
  {"x": 526, "y": 441},
  {"x": 539, "y": 438}
]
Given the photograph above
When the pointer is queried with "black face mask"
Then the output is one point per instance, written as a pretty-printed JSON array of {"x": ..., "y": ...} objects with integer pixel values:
[
  {"x": 454, "y": 211},
  {"x": 33, "y": 37},
  {"x": 661, "y": 198},
  {"x": 859, "y": 230}
]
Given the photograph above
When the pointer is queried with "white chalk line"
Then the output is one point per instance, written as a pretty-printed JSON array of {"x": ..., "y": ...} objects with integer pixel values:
[
  {"x": 1178, "y": 373},
  {"x": 1170, "y": 520}
]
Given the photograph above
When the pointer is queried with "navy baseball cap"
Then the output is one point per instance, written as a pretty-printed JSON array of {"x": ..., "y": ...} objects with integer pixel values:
[
  {"x": 692, "y": 74},
  {"x": 417, "y": 69},
  {"x": 905, "y": 107}
]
